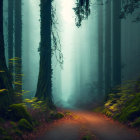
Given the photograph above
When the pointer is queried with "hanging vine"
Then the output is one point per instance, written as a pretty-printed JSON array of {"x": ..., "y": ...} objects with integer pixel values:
[{"x": 56, "y": 44}]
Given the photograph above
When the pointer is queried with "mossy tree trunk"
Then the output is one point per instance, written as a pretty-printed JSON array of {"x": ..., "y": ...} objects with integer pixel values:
[
  {"x": 6, "y": 89},
  {"x": 18, "y": 46},
  {"x": 44, "y": 87}
]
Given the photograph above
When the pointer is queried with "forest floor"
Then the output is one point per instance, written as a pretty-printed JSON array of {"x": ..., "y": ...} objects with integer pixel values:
[{"x": 85, "y": 125}]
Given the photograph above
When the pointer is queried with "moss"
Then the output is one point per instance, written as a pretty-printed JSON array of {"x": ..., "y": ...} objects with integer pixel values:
[
  {"x": 136, "y": 123},
  {"x": 24, "y": 125},
  {"x": 107, "y": 112},
  {"x": 18, "y": 111},
  {"x": 131, "y": 110},
  {"x": 57, "y": 115}
]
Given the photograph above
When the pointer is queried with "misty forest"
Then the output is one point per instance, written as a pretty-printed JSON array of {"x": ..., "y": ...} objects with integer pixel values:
[{"x": 69, "y": 69}]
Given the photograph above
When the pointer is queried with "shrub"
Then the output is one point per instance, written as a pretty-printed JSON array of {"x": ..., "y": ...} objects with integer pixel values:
[
  {"x": 131, "y": 109},
  {"x": 57, "y": 115},
  {"x": 24, "y": 125},
  {"x": 18, "y": 111}
]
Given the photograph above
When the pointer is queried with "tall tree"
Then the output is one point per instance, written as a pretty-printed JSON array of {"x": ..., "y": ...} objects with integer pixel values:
[
  {"x": 107, "y": 47},
  {"x": 10, "y": 33},
  {"x": 44, "y": 86},
  {"x": 6, "y": 89},
  {"x": 100, "y": 49},
  {"x": 116, "y": 43},
  {"x": 18, "y": 46}
]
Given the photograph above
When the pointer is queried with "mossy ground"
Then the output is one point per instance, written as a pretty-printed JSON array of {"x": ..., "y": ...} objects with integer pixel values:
[{"x": 23, "y": 121}]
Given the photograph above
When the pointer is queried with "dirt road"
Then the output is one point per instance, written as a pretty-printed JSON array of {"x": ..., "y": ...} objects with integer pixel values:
[{"x": 84, "y": 123}]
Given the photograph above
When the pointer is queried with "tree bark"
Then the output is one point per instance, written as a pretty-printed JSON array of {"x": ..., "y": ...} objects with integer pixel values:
[
  {"x": 107, "y": 47},
  {"x": 6, "y": 89},
  {"x": 44, "y": 86},
  {"x": 100, "y": 50},
  {"x": 116, "y": 43}
]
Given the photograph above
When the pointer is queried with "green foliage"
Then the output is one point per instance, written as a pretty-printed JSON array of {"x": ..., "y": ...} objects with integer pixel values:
[
  {"x": 131, "y": 110},
  {"x": 107, "y": 112},
  {"x": 24, "y": 125},
  {"x": 36, "y": 104},
  {"x": 57, "y": 115},
  {"x": 124, "y": 105},
  {"x": 18, "y": 111}
]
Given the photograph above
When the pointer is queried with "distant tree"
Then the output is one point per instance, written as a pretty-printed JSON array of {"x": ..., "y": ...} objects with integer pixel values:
[
  {"x": 107, "y": 47},
  {"x": 116, "y": 43},
  {"x": 44, "y": 86},
  {"x": 6, "y": 89},
  {"x": 10, "y": 33},
  {"x": 18, "y": 46},
  {"x": 100, "y": 50}
]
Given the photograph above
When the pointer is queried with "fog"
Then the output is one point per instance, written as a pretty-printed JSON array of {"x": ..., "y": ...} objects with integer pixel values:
[
  {"x": 31, "y": 39},
  {"x": 74, "y": 82}
]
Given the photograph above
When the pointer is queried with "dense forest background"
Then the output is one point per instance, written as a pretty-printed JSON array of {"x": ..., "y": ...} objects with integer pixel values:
[
  {"x": 75, "y": 54},
  {"x": 98, "y": 61}
]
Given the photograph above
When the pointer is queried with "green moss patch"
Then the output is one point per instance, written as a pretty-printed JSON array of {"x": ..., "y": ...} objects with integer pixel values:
[
  {"x": 57, "y": 115},
  {"x": 24, "y": 125},
  {"x": 18, "y": 111}
]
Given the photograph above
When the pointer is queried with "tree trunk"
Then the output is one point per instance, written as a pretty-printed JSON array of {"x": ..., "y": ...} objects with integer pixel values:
[
  {"x": 18, "y": 46},
  {"x": 100, "y": 50},
  {"x": 107, "y": 47},
  {"x": 10, "y": 34},
  {"x": 116, "y": 43},
  {"x": 44, "y": 87},
  {"x": 6, "y": 89}
]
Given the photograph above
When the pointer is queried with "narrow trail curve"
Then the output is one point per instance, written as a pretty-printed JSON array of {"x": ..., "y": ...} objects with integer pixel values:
[{"x": 83, "y": 122}]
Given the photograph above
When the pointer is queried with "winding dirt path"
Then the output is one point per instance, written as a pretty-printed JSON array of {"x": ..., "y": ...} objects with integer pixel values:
[{"x": 80, "y": 123}]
